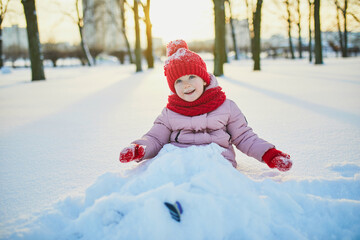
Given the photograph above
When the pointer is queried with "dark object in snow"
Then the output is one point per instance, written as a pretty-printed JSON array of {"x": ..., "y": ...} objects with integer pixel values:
[{"x": 175, "y": 210}]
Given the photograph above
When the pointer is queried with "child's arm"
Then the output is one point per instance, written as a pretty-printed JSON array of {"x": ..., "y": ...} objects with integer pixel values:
[
  {"x": 248, "y": 142},
  {"x": 151, "y": 142},
  {"x": 243, "y": 137}
]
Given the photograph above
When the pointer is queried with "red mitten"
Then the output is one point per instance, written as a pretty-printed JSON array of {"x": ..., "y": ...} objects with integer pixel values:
[
  {"x": 277, "y": 159},
  {"x": 133, "y": 153}
]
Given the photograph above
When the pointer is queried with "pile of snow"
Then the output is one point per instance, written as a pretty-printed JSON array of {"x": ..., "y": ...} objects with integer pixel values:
[{"x": 218, "y": 201}]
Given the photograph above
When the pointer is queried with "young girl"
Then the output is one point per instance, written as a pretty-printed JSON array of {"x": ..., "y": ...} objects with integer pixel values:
[{"x": 199, "y": 113}]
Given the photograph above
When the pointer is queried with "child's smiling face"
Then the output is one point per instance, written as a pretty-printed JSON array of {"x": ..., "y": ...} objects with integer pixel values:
[{"x": 189, "y": 87}]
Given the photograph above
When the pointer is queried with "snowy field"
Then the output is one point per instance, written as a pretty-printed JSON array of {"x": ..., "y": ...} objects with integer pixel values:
[{"x": 60, "y": 177}]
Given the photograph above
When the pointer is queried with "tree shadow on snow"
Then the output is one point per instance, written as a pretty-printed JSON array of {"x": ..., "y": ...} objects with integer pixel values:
[{"x": 327, "y": 111}]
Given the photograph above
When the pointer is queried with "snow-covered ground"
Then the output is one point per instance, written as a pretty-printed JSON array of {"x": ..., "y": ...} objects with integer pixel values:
[{"x": 62, "y": 136}]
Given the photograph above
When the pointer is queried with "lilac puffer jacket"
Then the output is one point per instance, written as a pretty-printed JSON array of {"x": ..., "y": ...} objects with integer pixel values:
[{"x": 225, "y": 126}]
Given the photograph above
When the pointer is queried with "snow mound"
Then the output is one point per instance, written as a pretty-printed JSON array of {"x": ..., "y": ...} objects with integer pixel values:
[
  {"x": 218, "y": 202},
  {"x": 345, "y": 169}
]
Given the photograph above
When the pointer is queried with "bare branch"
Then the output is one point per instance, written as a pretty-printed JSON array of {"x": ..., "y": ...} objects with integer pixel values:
[
  {"x": 355, "y": 17},
  {"x": 80, "y": 20},
  {"x": 3, "y": 9}
]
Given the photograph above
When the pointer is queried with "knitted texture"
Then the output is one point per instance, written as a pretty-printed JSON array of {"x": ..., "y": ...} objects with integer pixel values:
[
  {"x": 135, "y": 152},
  {"x": 210, "y": 100},
  {"x": 183, "y": 62},
  {"x": 277, "y": 159}
]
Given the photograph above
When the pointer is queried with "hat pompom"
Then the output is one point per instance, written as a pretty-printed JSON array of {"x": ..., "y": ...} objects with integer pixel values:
[{"x": 173, "y": 46}]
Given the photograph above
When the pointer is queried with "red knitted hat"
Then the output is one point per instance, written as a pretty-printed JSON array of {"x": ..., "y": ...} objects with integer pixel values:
[{"x": 183, "y": 62}]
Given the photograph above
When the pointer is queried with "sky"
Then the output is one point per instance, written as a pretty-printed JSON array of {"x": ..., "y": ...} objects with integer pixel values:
[{"x": 171, "y": 19}]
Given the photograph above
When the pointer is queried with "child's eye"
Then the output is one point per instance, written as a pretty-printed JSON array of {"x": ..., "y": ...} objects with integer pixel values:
[
  {"x": 178, "y": 81},
  {"x": 191, "y": 77}
]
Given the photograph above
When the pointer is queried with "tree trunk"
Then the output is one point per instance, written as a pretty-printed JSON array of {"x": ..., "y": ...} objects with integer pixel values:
[
  {"x": 310, "y": 32},
  {"x": 289, "y": 29},
  {"x": 257, "y": 38},
  {"x": 233, "y": 33},
  {"x": 345, "y": 54},
  {"x": 131, "y": 59},
  {"x": 299, "y": 29},
  {"x": 85, "y": 48},
  {"x": 251, "y": 27},
  {"x": 1, "y": 47},
  {"x": 54, "y": 62},
  {"x": 80, "y": 23},
  {"x": 339, "y": 32},
  {"x": 36, "y": 57},
  {"x": 123, "y": 30},
  {"x": 137, "y": 37},
  {"x": 219, "y": 48},
  {"x": 3, "y": 9},
  {"x": 318, "y": 46},
  {"x": 149, "y": 50}
]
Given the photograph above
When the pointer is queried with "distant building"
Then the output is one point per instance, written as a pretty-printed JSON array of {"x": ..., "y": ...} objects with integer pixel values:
[
  {"x": 15, "y": 36},
  {"x": 102, "y": 25}
]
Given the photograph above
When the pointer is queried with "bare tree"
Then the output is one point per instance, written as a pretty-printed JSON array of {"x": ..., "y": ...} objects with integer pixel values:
[
  {"x": 289, "y": 7},
  {"x": 137, "y": 36},
  {"x": 3, "y": 8},
  {"x": 249, "y": 15},
  {"x": 289, "y": 20},
  {"x": 81, "y": 10},
  {"x": 80, "y": 23},
  {"x": 233, "y": 36},
  {"x": 123, "y": 28},
  {"x": 219, "y": 48},
  {"x": 310, "y": 32},
  {"x": 349, "y": 11},
  {"x": 254, "y": 19},
  {"x": 36, "y": 57},
  {"x": 257, "y": 37},
  {"x": 339, "y": 30},
  {"x": 354, "y": 12},
  {"x": 318, "y": 43},
  {"x": 149, "y": 50},
  {"x": 299, "y": 29},
  {"x": 120, "y": 54},
  {"x": 344, "y": 36}
]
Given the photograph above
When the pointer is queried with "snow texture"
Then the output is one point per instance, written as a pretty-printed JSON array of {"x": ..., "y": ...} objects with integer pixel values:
[
  {"x": 181, "y": 52},
  {"x": 218, "y": 201},
  {"x": 60, "y": 177},
  {"x": 174, "y": 46}
]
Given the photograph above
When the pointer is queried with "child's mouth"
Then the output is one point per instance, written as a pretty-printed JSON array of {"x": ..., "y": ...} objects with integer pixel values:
[{"x": 189, "y": 92}]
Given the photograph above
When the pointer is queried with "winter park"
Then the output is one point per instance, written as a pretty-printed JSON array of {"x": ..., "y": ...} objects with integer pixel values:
[{"x": 68, "y": 115}]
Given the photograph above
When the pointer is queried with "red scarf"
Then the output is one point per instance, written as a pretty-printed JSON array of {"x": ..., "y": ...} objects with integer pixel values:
[{"x": 210, "y": 100}]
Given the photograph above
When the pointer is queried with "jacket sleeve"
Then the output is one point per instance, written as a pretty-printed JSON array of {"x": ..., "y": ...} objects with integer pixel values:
[
  {"x": 156, "y": 137},
  {"x": 243, "y": 137}
]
